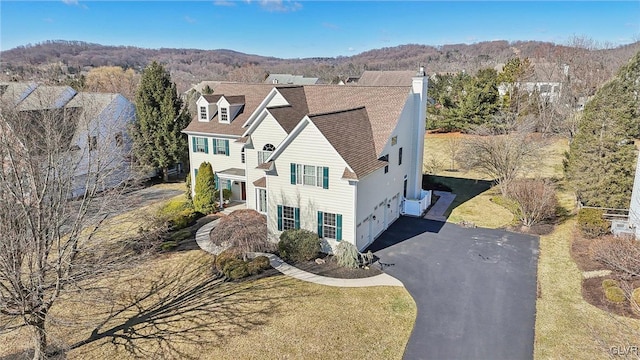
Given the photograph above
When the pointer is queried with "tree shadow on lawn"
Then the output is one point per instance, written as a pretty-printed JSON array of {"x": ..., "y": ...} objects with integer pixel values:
[
  {"x": 180, "y": 311},
  {"x": 464, "y": 189}
]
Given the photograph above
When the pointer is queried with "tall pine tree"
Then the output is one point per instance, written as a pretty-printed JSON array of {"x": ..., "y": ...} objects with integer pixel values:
[
  {"x": 158, "y": 141},
  {"x": 602, "y": 156}
]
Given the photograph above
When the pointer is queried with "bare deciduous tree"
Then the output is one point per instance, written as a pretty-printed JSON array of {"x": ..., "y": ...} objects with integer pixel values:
[
  {"x": 54, "y": 198},
  {"x": 452, "y": 148},
  {"x": 113, "y": 79},
  {"x": 535, "y": 198},
  {"x": 500, "y": 156},
  {"x": 621, "y": 254}
]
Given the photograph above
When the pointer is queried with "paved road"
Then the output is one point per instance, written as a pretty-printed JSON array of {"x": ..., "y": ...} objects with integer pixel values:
[{"x": 475, "y": 288}]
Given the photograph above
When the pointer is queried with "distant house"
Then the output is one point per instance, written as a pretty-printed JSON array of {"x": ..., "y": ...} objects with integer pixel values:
[
  {"x": 631, "y": 225},
  {"x": 342, "y": 161},
  {"x": 99, "y": 120},
  {"x": 384, "y": 78},
  {"x": 289, "y": 79},
  {"x": 547, "y": 81}
]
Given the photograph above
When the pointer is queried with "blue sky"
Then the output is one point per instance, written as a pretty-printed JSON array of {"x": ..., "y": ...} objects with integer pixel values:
[{"x": 293, "y": 29}]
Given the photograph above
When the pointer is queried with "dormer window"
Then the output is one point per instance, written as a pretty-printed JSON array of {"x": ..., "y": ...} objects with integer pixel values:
[
  {"x": 224, "y": 115},
  {"x": 203, "y": 113}
]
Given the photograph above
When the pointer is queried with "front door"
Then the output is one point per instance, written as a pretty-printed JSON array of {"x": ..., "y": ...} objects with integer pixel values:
[{"x": 243, "y": 185}]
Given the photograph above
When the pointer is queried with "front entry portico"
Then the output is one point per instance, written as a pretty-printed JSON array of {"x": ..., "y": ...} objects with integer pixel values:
[{"x": 233, "y": 179}]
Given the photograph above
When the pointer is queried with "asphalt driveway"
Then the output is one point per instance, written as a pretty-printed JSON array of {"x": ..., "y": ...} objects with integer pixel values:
[{"x": 475, "y": 289}]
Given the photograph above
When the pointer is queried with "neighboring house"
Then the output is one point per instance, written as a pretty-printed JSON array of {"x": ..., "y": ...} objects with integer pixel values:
[
  {"x": 98, "y": 139},
  {"x": 384, "y": 78},
  {"x": 342, "y": 161},
  {"x": 546, "y": 80},
  {"x": 289, "y": 79}
]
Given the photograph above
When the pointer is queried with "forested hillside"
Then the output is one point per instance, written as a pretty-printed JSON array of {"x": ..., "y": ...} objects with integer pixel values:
[{"x": 57, "y": 60}]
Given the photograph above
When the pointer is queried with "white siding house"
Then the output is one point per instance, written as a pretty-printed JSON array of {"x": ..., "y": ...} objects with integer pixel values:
[
  {"x": 99, "y": 141},
  {"x": 341, "y": 161}
]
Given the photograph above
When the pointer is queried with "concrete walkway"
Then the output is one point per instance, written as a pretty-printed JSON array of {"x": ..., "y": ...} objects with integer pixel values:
[
  {"x": 438, "y": 209},
  {"x": 204, "y": 242}
]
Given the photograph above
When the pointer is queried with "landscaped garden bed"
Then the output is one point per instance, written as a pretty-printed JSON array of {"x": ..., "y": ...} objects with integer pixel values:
[
  {"x": 327, "y": 265},
  {"x": 608, "y": 264}
]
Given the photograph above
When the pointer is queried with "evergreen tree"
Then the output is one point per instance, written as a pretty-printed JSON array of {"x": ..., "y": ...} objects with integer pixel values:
[
  {"x": 602, "y": 156},
  {"x": 204, "y": 200},
  {"x": 479, "y": 101},
  {"x": 158, "y": 141}
]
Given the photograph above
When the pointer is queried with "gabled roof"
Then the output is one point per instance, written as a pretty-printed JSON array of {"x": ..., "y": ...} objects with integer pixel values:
[
  {"x": 386, "y": 78},
  {"x": 47, "y": 97},
  {"x": 289, "y": 116},
  {"x": 253, "y": 96},
  {"x": 212, "y": 99},
  {"x": 91, "y": 105},
  {"x": 350, "y": 133},
  {"x": 12, "y": 93},
  {"x": 384, "y": 105}
]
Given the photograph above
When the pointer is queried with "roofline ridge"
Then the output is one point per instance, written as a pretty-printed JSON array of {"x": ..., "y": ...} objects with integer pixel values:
[{"x": 336, "y": 111}]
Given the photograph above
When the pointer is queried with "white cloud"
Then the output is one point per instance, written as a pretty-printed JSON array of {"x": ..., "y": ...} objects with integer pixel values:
[
  {"x": 189, "y": 19},
  {"x": 70, "y": 2},
  {"x": 224, "y": 3},
  {"x": 279, "y": 5},
  {"x": 351, "y": 49}
]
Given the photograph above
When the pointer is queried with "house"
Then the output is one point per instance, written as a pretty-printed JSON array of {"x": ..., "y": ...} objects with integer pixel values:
[
  {"x": 546, "y": 80},
  {"x": 384, "y": 78},
  {"x": 97, "y": 123},
  {"x": 342, "y": 161},
  {"x": 289, "y": 79}
]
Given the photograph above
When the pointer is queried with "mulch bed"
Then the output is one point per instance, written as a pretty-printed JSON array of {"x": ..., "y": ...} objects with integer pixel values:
[
  {"x": 592, "y": 290},
  {"x": 331, "y": 269}
]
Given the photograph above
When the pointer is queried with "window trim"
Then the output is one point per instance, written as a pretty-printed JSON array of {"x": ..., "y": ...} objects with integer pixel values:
[
  {"x": 203, "y": 113},
  {"x": 259, "y": 203},
  {"x": 224, "y": 114},
  {"x": 221, "y": 146},
  {"x": 284, "y": 222},
  {"x": 200, "y": 144},
  {"x": 336, "y": 227},
  {"x": 299, "y": 175},
  {"x": 400, "y": 156}
]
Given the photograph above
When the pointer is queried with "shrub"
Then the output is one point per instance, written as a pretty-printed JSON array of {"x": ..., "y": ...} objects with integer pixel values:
[
  {"x": 535, "y": 200},
  {"x": 177, "y": 214},
  {"x": 239, "y": 272},
  {"x": 614, "y": 294},
  {"x": 592, "y": 224},
  {"x": 187, "y": 184},
  {"x": 347, "y": 255},
  {"x": 258, "y": 265},
  {"x": 204, "y": 199},
  {"x": 180, "y": 235},
  {"x": 168, "y": 245},
  {"x": 299, "y": 245},
  {"x": 226, "y": 194},
  {"x": 607, "y": 283},
  {"x": 224, "y": 257},
  {"x": 231, "y": 265},
  {"x": 617, "y": 253}
]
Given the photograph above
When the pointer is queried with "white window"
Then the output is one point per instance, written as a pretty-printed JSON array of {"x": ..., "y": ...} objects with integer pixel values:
[
  {"x": 224, "y": 116},
  {"x": 265, "y": 153},
  {"x": 309, "y": 175},
  {"x": 261, "y": 200},
  {"x": 203, "y": 113},
  {"x": 329, "y": 225},
  {"x": 201, "y": 145},
  {"x": 288, "y": 218},
  {"x": 221, "y": 147}
]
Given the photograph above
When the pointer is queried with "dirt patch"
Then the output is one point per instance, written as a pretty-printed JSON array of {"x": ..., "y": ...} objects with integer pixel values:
[
  {"x": 330, "y": 268},
  {"x": 580, "y": 254}
]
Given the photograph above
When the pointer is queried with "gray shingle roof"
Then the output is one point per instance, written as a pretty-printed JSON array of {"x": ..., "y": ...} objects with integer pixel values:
[{"x": 386, "y": 78}]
